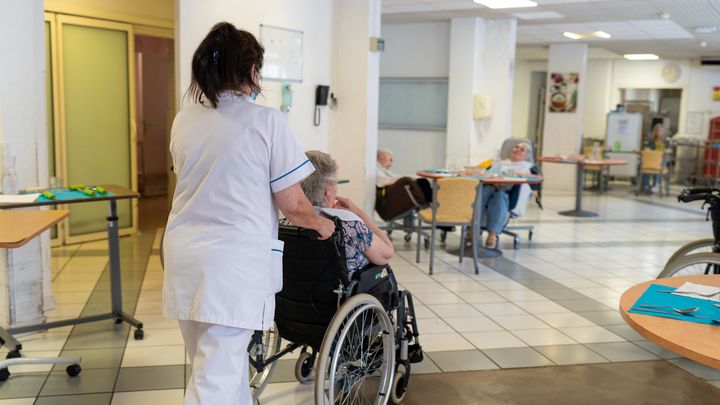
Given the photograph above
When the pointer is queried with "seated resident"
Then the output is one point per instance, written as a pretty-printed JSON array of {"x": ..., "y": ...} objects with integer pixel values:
[
  {"x": 364, "y": 242},
  {"x": 657, "y": 142},
  {"x": 495, "y": 199},
  {"x": 386, "y": 178}
]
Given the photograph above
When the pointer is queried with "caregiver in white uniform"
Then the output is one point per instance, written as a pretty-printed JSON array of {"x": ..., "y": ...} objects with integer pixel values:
[{"x": 236, "y": 164}]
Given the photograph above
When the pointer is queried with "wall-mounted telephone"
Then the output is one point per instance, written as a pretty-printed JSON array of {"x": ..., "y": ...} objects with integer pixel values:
[
  {"x": 321, "y": 99},
  {"x": 482, "y": 106}
]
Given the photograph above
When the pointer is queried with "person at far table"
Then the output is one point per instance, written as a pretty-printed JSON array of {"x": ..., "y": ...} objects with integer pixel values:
[
  {"x": 495, "y": 198},
  {"x": 658, "y": 142},
  {"x": 387, "y": 178}
]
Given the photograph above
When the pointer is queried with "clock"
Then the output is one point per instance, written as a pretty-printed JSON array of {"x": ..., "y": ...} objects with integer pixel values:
[{"x": 670, "y": 72}]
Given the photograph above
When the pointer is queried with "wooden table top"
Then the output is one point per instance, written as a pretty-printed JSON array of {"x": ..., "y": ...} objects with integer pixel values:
[
  {"x": 19, "y": 227},
  {"x": 696, "y": 341},
  {"x": 486, "y": 179},
  {"x": 119, "y": 193},
  {"x": 586, "y": 162}
]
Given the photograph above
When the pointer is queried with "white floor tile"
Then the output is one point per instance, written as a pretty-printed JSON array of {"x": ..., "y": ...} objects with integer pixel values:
[
  {"x": 157, "y": 337},
  {"x": 500, "y": 308},
  {"x": 472, "y": 324},
  {"x": 453, "y": 310},
  {"x": 165, "y": 397},
  {"x": 442, "y": 342},
  {"x": 154, "y": 356},
  {"x": 288, "y": 393},
  {"x": 512, "y": 322},
  {"x": 591, "y": 334},
  {"x": 493, "y": 340},
  {"x": 543, "y": 337},
  {"x": 568, "y": 319}
]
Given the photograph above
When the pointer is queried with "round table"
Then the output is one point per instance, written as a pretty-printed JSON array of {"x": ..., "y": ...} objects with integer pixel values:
[
  {"x": 698, "y": 342},
  {"x": 580, "y": 164},
  {"x": 493, "y": 180}
]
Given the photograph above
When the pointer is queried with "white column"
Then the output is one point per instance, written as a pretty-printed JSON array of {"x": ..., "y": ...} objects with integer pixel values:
[
  {"x": 562, "y": 133},
  {"x": 356, "y": 77},
  {"x": 482, "y": 59},
  {"x": 24, "y": 272}
]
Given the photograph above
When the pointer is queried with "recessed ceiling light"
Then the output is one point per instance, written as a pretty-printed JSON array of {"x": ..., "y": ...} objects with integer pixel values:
[
  {"x": 705, "y": 29},
  {"x": 538, "y": 15},
  {"x": 594, "y": 34},
  {"x": 506, "y": 3},
  {"x": 640, "y": 56},
  {"x": 703, "y": 44}
]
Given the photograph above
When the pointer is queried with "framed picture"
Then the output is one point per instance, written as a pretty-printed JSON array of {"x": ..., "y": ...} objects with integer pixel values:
[
  {"x": 563, "y": 92},
  {"x": 283, "y": 53}
]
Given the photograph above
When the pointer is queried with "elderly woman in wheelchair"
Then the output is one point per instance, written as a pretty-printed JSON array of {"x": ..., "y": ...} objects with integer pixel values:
[{"x": 340, "y": 305}]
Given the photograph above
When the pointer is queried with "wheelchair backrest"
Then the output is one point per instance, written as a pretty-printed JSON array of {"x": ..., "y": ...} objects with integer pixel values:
[{"x": 510, "y": 143}]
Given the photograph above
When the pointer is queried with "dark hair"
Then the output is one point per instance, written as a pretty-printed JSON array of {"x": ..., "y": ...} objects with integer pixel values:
[{"x": 226, "y": 59}]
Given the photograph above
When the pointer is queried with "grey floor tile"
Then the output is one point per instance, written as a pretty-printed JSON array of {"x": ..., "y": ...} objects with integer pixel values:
[
  {"x": 98, "y": 339},
  {"x": 697, "y": 369},
  {"x": 94, "y": 358},
  {"x": 284, "y": 371},
  {"x": 661, "y": 352},
  {"x": 626, "y": 332},
  {"x": 562, "y": 293},
  {"x": 571, "y": 354},
  {"x": 603, "y": 318},
  {"x": 88, "y": 382},
  {"x": 621, "y": 351},
  {"x": 150, "y": 378},
  {"x": 582, "y": 305},
  {"x": 538, "y": 284},
  {"x": 22, "y": 385},
  {"x": 461, "y": 360},
  {"x": 88, "y": 399},
  {"x": 517, "y": 357},
  {"x": 424, "y": 367}
]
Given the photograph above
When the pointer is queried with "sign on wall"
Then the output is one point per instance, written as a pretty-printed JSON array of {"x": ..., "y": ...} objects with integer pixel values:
[
  {"x": 283, "y": 53},
  {"x": 563, "y": 92}
]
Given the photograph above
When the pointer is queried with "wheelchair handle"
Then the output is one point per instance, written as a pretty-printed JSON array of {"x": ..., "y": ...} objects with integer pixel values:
[
  {"x": 700, "y": 190},
  {"x": 691, "y": 197}
]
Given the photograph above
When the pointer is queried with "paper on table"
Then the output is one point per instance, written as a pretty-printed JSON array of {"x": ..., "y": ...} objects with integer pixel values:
[
  {"x": 704, "y": 292},
  {"x": 18, "y": 198}
]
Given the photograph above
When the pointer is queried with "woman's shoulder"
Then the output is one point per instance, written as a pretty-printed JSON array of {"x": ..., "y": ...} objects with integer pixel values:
[{"x": 343, "y": 215}]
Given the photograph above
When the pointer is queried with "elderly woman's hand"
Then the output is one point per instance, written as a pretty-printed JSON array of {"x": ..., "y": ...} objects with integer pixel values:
[{"x": 346, "y": 203}]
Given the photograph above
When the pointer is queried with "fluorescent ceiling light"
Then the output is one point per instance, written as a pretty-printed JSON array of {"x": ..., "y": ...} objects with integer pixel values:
[
  {"x": 572, "y": 35},
  {"x": 594, "y": 34},
  {"x": 640, "y": 56},
  {"x": 506, "y": 3}
]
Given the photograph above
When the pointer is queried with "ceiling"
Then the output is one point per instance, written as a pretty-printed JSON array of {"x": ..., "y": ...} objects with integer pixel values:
[{"x": 663, "y": 27}]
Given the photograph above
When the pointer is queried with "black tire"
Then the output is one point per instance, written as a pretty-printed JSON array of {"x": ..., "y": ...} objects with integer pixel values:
[
  {"x": 4, "y": 374},
  {"x": 407, "y": 237},
  {"x": 304, "y": 368},
  {"x": 118, "y": 321},
  {"x": 399, "y": 385},
  {"x": 426, "y": 243},
  {"x": 139, "y": 334},
  {"x": 13, "y": 354},
  {"x": 530, "y": 235},
  {"x": 73, "y": 370},
  {"x": 516, "y": 243}
]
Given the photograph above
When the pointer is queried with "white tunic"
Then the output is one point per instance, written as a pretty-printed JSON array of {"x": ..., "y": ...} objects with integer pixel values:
[{"x": 223, "y": 261}]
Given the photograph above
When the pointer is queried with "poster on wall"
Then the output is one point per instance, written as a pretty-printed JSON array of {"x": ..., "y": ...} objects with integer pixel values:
[
  {"x": 716, "y": 94},
  {"x": 563, "y": 92}
]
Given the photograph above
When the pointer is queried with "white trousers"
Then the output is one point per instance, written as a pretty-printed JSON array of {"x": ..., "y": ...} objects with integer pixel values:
[{"x": 219, "y": 359}]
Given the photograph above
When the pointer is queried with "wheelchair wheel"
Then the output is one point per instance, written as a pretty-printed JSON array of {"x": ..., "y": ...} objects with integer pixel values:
[
  {"x": 357, "y": 356},
  {"x": 399, "y": 386},
  {"x": 693, "y": 265},
  {"x": 696, "y": 246},
  {"x": 304, "y": 367},
  {"x": 270, "y": 345}
]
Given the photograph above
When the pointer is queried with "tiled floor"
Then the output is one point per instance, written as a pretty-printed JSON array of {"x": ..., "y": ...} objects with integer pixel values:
[{"x": 553, "y": 302}]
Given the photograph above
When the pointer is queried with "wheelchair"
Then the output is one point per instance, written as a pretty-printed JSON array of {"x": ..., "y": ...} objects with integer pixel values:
[{"x": 357, "y": 333}]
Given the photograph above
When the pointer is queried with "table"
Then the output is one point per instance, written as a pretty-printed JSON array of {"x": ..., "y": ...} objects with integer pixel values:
[
  {"x": 698, "y": 342},
  {"x": 18, "y": 227},
  {"x": 116, "y": 312},
  {"x": 580, "y": 164},
  {"x": 483, "y": 252}
]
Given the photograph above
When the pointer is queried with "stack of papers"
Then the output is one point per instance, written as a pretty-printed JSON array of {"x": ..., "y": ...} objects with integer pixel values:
[
  {"x": 18, "y": 198},
  {"x": 700, "y": 291}
]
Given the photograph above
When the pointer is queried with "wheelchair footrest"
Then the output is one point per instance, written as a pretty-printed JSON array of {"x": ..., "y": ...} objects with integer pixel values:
[{"x": 415, "y": 353}]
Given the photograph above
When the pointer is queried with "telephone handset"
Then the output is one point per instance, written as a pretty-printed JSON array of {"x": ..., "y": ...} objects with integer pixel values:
[{"x": 321, "y": 99}]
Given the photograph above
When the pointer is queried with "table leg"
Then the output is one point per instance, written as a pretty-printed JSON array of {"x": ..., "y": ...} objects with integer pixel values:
[
  {"x": 115, "y": 276},
  {"x": 578, "y": 211}
]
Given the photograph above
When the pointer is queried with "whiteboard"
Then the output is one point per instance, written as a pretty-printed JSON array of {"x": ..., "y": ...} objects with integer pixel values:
[
  {"x": 283, "y": 53},
  {"x": 624, "y": 130},
  {"x": 413, "y": 103}
]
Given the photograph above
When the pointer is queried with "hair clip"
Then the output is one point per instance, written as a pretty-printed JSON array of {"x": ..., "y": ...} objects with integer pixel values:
[{"x": 215, "y": 57}]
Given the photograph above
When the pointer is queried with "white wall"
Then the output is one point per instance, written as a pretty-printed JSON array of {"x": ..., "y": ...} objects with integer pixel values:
[
  {"x": 597, "y": 98},
  {"x": 522, "y": 97},
  {"x": 24, "y": 272},
  {"x": 415, "y": 51},
  {"x": 195, "y": 18}
]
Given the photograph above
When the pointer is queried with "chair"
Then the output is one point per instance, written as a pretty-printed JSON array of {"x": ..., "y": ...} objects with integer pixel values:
[
  {"x": 599, "y": 173},
  {"x": 651, "y": 164},
  {"x": 397, "y": 204},
  {"x": 520, "y": 195},
  {"x": 455, "y": 201}
]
